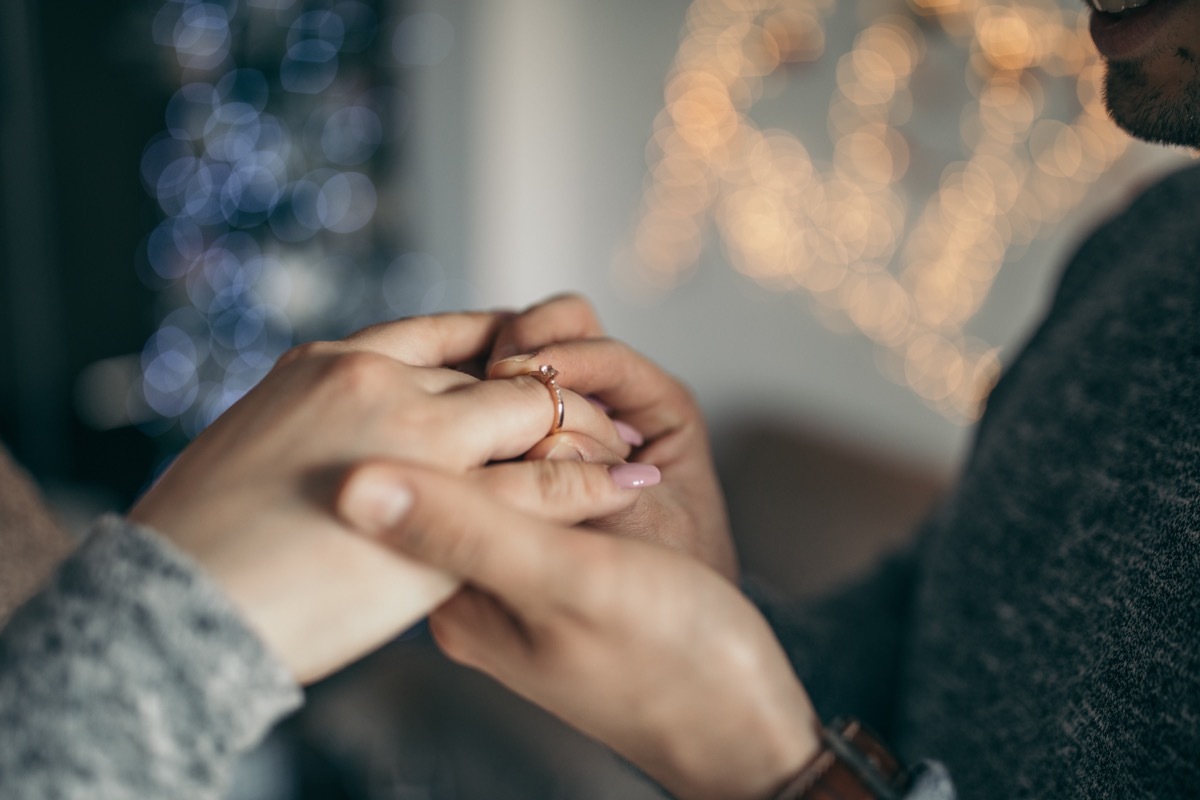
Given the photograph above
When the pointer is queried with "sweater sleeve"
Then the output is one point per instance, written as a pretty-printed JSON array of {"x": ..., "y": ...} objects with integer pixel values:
[
  {"x": 931, "y": 781},
  {"x": 847, "y": 647},
  {"x": 131, "y": 675}
]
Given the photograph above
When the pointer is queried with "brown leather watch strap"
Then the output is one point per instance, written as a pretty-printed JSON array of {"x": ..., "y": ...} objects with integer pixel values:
[{"x": 852, "y": 765}]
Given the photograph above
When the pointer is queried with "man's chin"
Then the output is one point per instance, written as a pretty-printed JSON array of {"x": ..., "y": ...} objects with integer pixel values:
[{"x": 1146, "y": 111}]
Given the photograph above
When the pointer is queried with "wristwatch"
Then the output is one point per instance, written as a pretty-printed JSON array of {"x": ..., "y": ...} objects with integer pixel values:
[{"x": 851, "y": 765}]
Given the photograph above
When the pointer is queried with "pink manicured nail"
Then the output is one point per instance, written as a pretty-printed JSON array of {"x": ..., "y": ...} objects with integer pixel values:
[
  {"x": 628, "y": 433},
  {"x": 635, "y": 476}
]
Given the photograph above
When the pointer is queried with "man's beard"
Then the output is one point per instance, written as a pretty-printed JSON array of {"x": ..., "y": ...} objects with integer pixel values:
[{"x": 1145, "y": 111}]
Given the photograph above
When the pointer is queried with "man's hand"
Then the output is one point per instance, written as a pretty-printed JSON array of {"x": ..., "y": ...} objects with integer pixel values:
[
  {"x": 251, "y": 498},
  {"x": 647, "y": 650},
  {"x": 654, "y": 412}
]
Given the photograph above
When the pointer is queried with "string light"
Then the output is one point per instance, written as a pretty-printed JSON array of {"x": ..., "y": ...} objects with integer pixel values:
[
  {"x": 908, "y": 276},
  {"x": 264, "y": 174}
]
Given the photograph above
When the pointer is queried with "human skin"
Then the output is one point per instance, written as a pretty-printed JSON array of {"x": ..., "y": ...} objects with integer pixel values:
[
  {"x": 638, "y": 636},
  {"x": 687, "y": 512},
  {"x": 643, "y": 647},
  {"x": 251, "y": 498},
  {"x": 1152, "y": 81}
]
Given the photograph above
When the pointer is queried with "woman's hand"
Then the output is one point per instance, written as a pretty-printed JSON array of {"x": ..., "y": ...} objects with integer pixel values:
[
  {"x": 251, "y": 498},
  {"x": 653, "y": 411},
  {"x": 647, "y": 650}
]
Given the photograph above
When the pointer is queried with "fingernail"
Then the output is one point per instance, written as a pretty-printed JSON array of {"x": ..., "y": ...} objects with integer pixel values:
[
  {"x": 507, "y": 351},
  {"x": 563, "y": 452},
  {"x": 373, "y": 505},
  {"x": 628, "y": 433},
  {"x": 511, "y": 366},
  {"x": 635, "y": 476}
]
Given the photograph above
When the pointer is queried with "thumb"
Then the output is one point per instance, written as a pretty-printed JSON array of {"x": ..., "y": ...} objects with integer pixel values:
[{"x": 451, "y": 524}]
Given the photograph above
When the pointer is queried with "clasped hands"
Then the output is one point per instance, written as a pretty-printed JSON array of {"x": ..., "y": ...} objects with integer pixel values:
[{"x": 366, "y": 483}]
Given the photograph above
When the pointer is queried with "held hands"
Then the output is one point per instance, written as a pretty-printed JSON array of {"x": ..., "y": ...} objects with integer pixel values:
[
  {"x": 652, "y": 410},
  {"x": 644, "y": 648},
  {"x": 640, "y": 646},
  {"x": 251, "y": 498}
]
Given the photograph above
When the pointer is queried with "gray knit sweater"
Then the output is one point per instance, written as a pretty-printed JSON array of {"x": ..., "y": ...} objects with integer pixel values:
[
  {"x": 131, "y": 676},
  {"x": 1043, "y": 638}
]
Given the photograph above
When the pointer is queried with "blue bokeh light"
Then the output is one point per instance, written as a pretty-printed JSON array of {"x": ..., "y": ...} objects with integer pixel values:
[{"x": 265, "y": 177}]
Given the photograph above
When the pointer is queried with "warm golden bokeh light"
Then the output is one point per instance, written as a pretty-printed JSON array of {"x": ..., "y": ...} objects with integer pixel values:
[{"x": 909, "y": 275}]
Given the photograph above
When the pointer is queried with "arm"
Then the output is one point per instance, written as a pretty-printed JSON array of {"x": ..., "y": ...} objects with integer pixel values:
[
  {"x": 152, "y": 658},
  {"x": 642, "y": 647},
  {"x": 131, "y": 675}
]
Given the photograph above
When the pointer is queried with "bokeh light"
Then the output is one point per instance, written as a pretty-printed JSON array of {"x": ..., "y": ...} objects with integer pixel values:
[
  {"x": 264, "y": 175},
  {"x": 907, "y": 271}
]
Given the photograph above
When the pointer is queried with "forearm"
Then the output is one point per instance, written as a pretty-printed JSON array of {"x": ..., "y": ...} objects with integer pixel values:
[{"x": 131, "y": 675}]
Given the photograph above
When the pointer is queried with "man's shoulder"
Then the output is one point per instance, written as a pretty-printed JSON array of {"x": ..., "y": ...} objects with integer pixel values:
[
  {"x": 1180, "y": 183},
  {"x": 1156, "y": 228}
]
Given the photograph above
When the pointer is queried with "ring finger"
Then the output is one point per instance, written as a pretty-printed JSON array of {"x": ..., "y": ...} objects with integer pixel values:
[{"x": 503, "y": 419}]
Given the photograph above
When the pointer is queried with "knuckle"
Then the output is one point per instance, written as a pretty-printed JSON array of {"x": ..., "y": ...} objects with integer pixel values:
[
  {"x": 556, "y": 485},
  {"x": 593, "y": 486},
  {"x": 576, "y": 303},
  {"x": 358, "y": 373},
  {"x": 461, "y": 550},
  {"x": 681, "y": 396},
  {"x": 545, "y": 477},
  {"x": 495, "y": 481}
]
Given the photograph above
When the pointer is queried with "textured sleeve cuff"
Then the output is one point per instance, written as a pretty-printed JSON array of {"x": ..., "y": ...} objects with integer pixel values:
[
  {"x": 131, "y": 675},
  {"x": 931, "y": 781}
]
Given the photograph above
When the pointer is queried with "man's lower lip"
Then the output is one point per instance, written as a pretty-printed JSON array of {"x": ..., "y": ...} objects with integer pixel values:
[{"x": 1123, "y": 36}]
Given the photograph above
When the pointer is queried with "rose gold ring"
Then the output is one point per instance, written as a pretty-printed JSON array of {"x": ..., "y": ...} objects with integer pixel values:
[{"x": 546, "y": 374}]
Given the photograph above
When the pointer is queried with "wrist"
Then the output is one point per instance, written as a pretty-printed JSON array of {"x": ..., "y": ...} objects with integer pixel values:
[
  {"x": 789, "y": 750},
  {"x": 852, "y": 764},
  {"x": 753, "y": 758}
]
